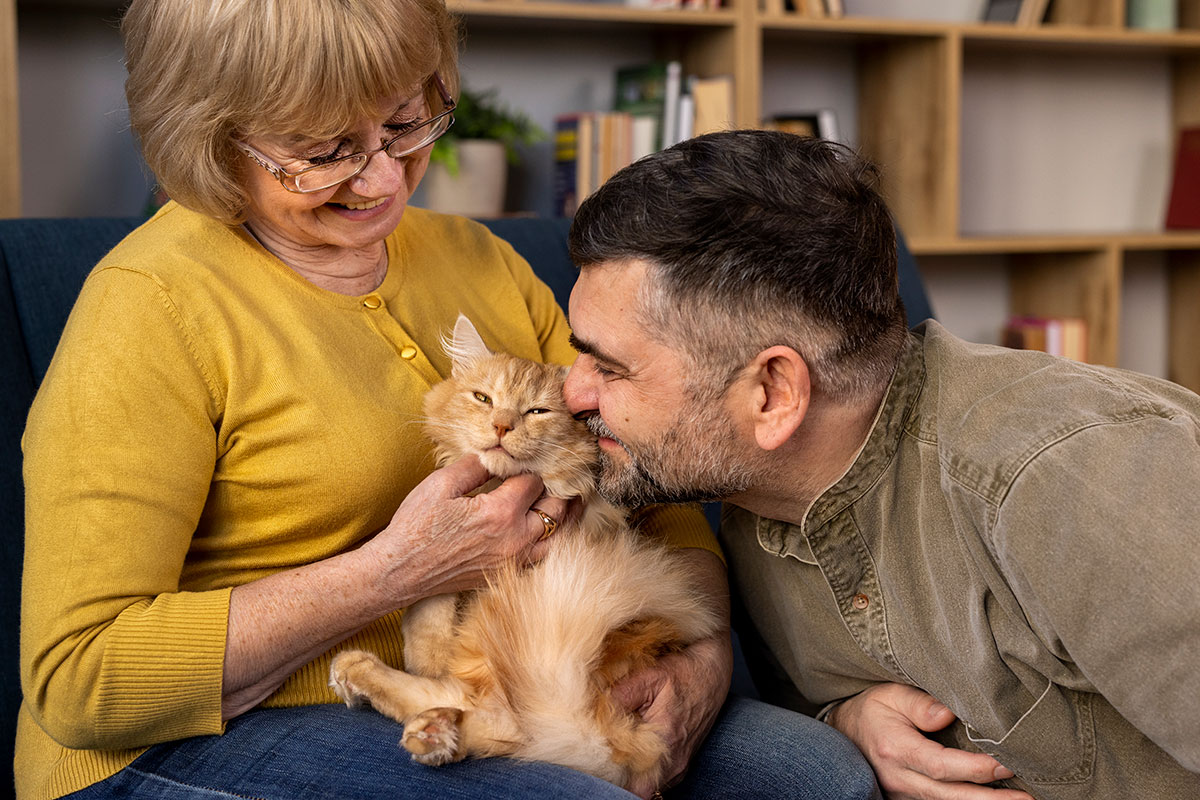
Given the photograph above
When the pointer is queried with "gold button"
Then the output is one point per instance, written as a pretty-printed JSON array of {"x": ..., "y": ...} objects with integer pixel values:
[
  {"x": 860, "y": 601},
  {"x": 408, "y": 353},
  {"x": 372, "y": 302}
]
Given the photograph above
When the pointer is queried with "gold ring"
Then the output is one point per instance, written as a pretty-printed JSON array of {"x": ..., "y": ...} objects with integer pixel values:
[
  {"x": 549, "y": 523},
  {"x": 656, "y": 796}
]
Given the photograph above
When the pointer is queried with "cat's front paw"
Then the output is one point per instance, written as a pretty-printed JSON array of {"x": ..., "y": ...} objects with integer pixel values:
[
  {"x": 432, "y": 736},
  {"x": 346, "y": 666}
]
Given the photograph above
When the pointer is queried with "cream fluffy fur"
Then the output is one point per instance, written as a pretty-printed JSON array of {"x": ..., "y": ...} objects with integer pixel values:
[{"x": 523, "y": 667}]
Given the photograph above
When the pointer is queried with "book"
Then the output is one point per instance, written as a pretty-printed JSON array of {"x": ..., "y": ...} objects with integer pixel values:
[
  {"x": 672, "y": 91},
  {"x": 589, "y": 147},
  {"x": 686, "y": 126},
  {"x": 713, "y": 101},
  {"x": 827, "y": 125},
  {"x": 1075, "y": 338},
  {"x": 641, "y": 90},
  {"x": 1032, "y": 12},
  {"x": 613, "y": 144},
  {"x": 1183, "y": 205},
  {"x": 1001, "y": 11},
  {"x": 643, "y": 136},
  {"x": 813, "y": 9},
  {"x": 566, "y": 157},
  {"x": 1058, "y": 336},
  {"x": 575, "y": 160},
  {"x": 585, "y": 163},
  {"x": 1152, "y": 15}
]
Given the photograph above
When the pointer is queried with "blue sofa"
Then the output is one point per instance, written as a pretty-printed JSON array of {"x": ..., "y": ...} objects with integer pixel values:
[{"x": 42, "y": 265}]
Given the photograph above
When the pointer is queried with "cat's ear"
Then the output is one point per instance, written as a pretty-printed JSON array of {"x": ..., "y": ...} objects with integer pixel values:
[{"x": 465, "y": 347}]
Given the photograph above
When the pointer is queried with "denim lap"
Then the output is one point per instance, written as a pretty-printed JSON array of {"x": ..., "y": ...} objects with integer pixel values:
[{"x": 333, "y": 752}]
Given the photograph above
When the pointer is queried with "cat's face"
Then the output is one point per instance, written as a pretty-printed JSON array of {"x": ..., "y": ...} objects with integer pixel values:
[{"x": 509, "y": 412}]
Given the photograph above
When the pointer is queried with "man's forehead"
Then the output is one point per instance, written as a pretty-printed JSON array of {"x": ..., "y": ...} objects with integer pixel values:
[
  {"x": 603, "y": 302},
  {"x": 607, "y": 325}
]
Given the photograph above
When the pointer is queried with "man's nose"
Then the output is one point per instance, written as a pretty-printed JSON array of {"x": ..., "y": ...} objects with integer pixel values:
[{"x": 579, "y": 389}]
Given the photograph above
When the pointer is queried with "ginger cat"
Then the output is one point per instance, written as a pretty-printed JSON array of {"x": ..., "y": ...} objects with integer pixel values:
[{"x": 522, "y": 668}]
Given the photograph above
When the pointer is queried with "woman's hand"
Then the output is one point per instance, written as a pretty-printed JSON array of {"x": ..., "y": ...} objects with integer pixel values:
[
  {"x": 439, "y": 540},
  {"x": 886, "y": 722},
  {"x": 442, "y": 540}
]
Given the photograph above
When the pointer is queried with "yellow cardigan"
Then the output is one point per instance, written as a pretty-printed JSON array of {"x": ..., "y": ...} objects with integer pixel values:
[{"x": 210, "y": 418}]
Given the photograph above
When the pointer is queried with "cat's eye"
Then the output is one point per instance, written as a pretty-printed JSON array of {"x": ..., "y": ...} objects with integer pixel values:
[
  {"x": 483, "y": 398},
  {"x": 538, "y": 411}
]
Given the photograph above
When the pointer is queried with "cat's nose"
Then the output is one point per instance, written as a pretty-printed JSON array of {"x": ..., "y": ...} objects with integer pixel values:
[{"x": 501, "y": 429}]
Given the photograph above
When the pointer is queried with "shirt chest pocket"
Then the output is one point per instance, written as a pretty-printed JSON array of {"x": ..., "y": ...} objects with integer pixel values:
[{"x": 1053, "y": 741}]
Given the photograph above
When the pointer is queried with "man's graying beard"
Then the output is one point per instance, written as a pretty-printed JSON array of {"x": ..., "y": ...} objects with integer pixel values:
[{"x": 689, "y": 463}]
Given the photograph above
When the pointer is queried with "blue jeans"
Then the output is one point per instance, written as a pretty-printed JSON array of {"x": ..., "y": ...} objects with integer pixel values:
[{"x": 318, "y": 752}]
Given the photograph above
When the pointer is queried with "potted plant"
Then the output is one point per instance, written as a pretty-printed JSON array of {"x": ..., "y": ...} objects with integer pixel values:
[{"x": 468, "y": 166}]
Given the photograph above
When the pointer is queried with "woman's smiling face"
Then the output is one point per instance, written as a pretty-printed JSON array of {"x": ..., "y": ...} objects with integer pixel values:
[{"x": 355, "y": 215}]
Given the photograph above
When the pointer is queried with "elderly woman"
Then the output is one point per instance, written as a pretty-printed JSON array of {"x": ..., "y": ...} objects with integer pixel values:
[{"x": 224, "y": 484}]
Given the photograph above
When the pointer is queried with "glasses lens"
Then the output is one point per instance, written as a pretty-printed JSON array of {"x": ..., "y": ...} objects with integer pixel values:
[
  {"x": 413, "y": 140},
  {"x": 314, "y": 179}
]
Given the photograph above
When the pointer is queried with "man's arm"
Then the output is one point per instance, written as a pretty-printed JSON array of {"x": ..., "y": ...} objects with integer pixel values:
[
  {"x": 684, "y": 691},
  {"x": 888, "y": 723}
]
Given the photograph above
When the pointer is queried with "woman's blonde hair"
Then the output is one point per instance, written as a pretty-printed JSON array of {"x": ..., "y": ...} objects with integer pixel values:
[{"x": 202, "y": 73}]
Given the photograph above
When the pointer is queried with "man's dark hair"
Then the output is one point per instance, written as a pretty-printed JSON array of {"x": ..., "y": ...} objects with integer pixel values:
[{"x": 755, "y": 239}]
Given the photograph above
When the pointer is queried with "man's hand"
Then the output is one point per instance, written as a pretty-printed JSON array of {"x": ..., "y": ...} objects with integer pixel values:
[
  {"x": 682, "y": 693},
  {"x": 886, "y": 722},
  {"x": 680, "y": 696}
]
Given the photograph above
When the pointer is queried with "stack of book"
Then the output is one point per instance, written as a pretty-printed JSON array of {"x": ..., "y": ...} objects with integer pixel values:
[
  {"x": 1019, "y": 12},
  {"x": 1058, "y": 336},
  {"x": 655, "y": 107}
]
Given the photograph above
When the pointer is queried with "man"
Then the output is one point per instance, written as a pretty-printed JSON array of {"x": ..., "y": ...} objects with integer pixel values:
[{"x": 929, "y": 535}]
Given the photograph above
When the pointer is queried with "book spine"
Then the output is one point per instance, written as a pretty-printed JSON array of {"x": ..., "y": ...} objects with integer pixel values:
[{"x": 566, "y": 157}]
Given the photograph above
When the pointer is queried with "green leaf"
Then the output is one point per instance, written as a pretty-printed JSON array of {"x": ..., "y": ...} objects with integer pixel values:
[{"x": 479, "y": 115}]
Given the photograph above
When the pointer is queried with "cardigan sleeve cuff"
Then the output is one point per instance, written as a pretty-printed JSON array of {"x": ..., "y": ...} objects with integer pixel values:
[{"x": 164, "y": 668}]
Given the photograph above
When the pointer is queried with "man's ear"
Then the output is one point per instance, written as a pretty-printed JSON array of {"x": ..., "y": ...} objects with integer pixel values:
[{"x": 779, "y": 391}]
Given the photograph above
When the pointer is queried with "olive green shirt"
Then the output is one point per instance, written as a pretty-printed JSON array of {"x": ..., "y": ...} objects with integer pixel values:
[{"x": 1019, "y": 538}]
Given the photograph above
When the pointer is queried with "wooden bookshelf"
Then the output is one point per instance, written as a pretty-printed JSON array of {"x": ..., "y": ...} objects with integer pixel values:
[
  {"x": 909, "y": 83},
  {"x": 909, "y": 77},
  {"x": 10, "y": 152}
]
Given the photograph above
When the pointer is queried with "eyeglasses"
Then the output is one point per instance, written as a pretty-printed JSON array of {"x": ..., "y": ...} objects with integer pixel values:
[{"x": 323, "y": 176}]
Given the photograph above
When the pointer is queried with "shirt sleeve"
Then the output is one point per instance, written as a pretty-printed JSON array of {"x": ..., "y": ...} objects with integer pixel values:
[
  {"x": 1097, "y": 537},
  {"x": 119, "y": 456}
]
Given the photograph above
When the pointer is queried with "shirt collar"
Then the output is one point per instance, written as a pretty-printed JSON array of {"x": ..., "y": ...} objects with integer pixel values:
[{"x": 882, "y": 442}]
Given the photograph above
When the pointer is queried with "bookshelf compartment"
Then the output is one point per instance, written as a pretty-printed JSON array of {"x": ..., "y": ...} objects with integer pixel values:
[
  {"x": 1090, "y": 152},
  {"x": 1143, "y": 340},
  {"x": 1090, "y": 13},
  {"x": 1183, "y": 325},
  {"x": 909, "y": 106},
  {"x": 1080, "y": 284},
  {"x": 968, "y": 292}
]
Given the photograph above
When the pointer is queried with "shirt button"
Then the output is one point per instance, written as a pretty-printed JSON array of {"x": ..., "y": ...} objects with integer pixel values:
[
  {"x": 408, "y": 353},
  {"x": 372, "y": 302},
  {"x": 860, "y": 601}
]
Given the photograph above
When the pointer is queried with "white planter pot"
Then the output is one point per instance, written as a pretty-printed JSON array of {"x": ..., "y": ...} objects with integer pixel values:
[{"x": 478, "y": 189}]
